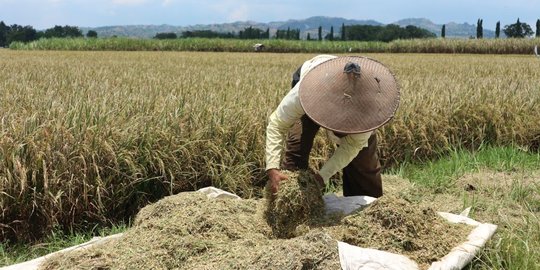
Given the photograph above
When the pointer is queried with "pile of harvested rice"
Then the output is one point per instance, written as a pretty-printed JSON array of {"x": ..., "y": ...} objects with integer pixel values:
[
  {"x": 298, "y": 201},
  {"x": 191, "y": 231},
  {"x": 396, "y": 225}
]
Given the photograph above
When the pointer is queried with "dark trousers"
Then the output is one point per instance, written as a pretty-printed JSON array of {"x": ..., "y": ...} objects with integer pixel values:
[{"x": 362, "y": 176}]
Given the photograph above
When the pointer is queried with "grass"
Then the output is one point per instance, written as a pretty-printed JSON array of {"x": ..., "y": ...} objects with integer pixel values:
[
  {"x": 502, "y": 185},
  {"x": 442, "y": 172},
  {"x": 58, "y": 240}
]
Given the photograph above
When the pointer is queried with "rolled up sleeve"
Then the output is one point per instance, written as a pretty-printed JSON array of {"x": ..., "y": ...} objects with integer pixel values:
[{"x": 347, "y": 150}]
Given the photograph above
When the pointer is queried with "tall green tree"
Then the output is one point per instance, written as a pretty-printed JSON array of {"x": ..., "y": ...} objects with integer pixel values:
[
  {"x": 518, "y": 30},
  {"x": 21, "y": 33},
  {"x": 498, "y": 29},
  {"x": 343, "y": 31},
  {"x": 331, "y": 34},
  {"x": 308, "y": 36},
  {"x": 443, "y": 31},
  {"x": 538, "y": 28},
  {"x": 4, "y": 29},
  {"x": 479, "y": 29},
  {"x": 320, "y": 32}
]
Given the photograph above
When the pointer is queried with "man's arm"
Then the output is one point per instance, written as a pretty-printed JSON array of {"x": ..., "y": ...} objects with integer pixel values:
[
  {"x": 348, "y": 149},
  {"x": 281, "y": 120}
]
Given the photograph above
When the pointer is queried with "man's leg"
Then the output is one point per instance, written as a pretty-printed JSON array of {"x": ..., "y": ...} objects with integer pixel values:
[
  {"x": 299, "y": 144},
  {"x": 363, "y": 175}
]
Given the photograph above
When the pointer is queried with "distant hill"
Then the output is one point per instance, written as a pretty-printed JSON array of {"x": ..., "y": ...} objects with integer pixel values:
[
  {"x": 461, "y": 30},
  {"x": 309, "y": 25}
]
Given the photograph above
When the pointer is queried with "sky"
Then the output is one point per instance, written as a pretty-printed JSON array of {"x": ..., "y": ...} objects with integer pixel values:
[{"x": 43, "y": 14}]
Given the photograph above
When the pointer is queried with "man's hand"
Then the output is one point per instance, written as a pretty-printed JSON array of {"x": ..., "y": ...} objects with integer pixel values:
[{"x": 274, "y": 177}]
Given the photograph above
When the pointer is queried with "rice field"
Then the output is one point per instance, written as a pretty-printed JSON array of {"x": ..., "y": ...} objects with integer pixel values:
[{"x": 90, "y": 137}]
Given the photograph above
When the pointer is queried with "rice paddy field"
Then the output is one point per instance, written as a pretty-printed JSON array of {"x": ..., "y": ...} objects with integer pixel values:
[{"x": 89, "y": 138}]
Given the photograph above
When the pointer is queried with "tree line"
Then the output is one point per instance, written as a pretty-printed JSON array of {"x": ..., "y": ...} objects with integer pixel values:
[
  {"x": 387, "y": 33},
  {"x": 351, "y": 32},
  {"x": 515, "y": 30},
  {"x": 15, "y": 32}
]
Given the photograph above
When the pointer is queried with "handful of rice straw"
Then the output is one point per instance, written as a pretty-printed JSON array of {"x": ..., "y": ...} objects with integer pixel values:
[{"x": 298, "y": 200}]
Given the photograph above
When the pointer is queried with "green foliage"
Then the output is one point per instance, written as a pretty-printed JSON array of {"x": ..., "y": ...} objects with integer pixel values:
[
  {"x": 165, "y": 36},
  {"x": 448, "y": 167},
  {"x": 56, "y": 240},
  {"x": 330, "y": 36},
  {"x": 19, "y": 33},
  {"x": 538, "y": 28},
  {"x": 206, "y": 34},
  {"x": 92, "y": 34},
  {"x": 4, "y": 29},
  {"x": 289, "y": 34},
  {"x": 474, "y": 46},
  {"x": 498, "y": 29},
  {"x": 443, "y": 31},
  {"x": 431, "y": 45},
  {"x": 479, "y": 29},
  {"x": 62, "y": 32},
  {"x": 385, "y": 33},
  {"x": 518, "y": 30},
  {"x": 253, "y": 33},
  {"x": 319, "y": 31}
]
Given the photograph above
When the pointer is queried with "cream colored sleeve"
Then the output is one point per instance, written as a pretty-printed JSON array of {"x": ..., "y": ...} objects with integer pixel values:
[
  {"x": 281, "y": 120},
  {"x": 348, "y": 149},
  {"x": 287, "y": 113}
]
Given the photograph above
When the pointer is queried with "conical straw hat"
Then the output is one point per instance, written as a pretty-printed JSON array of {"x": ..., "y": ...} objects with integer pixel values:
[{"x": 360, "y": 100}]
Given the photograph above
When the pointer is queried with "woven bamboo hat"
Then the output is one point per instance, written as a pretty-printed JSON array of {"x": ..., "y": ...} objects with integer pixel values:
[{"x": 349, "y": 94}]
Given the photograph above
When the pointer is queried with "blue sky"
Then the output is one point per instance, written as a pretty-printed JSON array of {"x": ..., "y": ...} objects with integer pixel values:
[{"x": 46, "y": 13}]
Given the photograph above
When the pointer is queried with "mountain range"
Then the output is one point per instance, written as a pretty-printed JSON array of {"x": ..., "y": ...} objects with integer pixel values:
[{"x": 309, "y": 25}]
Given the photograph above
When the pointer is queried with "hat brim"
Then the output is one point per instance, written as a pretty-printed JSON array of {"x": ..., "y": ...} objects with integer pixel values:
[{"x": 346, "y": 103}]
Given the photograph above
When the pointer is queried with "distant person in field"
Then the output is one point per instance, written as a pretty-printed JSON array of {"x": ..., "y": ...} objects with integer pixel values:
[{"x": 350, "y": 97}]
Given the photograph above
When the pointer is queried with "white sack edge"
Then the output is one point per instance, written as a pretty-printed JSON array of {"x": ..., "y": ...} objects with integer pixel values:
[
  {"x": 34, "y": 264},
  {"x": 463, "y": 254},
  {"x": 354, "y": 257}
]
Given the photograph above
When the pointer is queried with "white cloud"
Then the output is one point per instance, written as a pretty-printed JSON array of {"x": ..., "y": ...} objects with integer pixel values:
[{"x": 166, "y": 2}]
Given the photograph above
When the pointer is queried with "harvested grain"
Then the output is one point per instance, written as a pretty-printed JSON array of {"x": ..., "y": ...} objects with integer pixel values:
[
  {"x": 297, "y": 202},
  {"x": 396, "y": 225}
]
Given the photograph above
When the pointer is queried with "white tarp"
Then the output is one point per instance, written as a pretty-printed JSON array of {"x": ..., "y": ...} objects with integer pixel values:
[{"x": 351, "y": 257}]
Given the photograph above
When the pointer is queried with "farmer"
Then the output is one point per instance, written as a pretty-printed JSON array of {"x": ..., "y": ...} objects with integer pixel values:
[{"x": 350, "y": 97}]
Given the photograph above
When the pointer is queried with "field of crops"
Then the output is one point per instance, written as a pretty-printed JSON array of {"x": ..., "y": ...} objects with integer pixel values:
[
  {"x": 90, "y": 137},
  {"x": 473, "y": 46}
]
